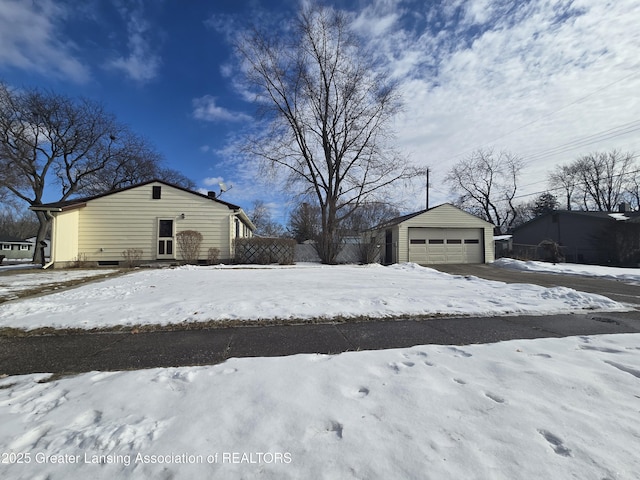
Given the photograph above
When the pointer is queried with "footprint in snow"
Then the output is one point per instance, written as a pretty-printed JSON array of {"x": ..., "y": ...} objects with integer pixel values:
[
  {"x": 397, "y": 366},
  {"x": 556, "y": 443},
  {"x": 600, "y": 349},
  {"x": 494, "y": 397},
  {"x": 624, "y": 368},
  {"x": 361, "y": 392},
  {"x": 459, "y": 381},
  {"x": 459, "y": 352}
]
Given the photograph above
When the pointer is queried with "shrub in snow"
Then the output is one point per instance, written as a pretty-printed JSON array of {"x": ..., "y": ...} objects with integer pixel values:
[{"x": 189, "y": 245}]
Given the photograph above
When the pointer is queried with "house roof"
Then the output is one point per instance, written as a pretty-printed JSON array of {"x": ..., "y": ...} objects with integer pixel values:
[
  {"x": 403, "y": 218},
  {"x": 589, "y": 215},
  {"x": 81, "y": 201},
  {"x": 10, "y": 239}
]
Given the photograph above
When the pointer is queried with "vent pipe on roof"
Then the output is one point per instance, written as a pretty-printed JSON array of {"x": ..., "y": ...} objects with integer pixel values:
[{"x": 211, "y": 194}]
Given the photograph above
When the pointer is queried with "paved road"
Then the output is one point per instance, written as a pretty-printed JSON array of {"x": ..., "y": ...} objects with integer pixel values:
[
  {"x": 121, "y": 351},
  {"x": 616, "y": 290}
]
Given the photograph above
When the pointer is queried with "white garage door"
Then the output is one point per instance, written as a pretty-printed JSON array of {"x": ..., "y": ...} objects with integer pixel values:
[{"x": 446, "y": 245}]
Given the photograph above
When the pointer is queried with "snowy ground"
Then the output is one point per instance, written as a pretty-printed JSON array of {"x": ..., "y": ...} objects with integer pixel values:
[
  {"x": 628, "y": 275},
  {"x": 305, "y": 291},
  {"x": 545, "y": 408},
  {"x": 525, "y": 409},
  {"x": 13, "y": 284}
]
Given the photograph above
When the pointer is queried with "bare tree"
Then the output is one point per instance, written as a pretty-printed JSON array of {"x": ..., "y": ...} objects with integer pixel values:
[
  {"x": 18, "y": 223},
  {"x": 327, "y": 109},
  {"x": 633, "y": 189},
  {"x": 48, "y": 139},
  {"x": 604, "y": 179},
  {"x": 486, "y": 184},
  {"x": 304, "y": 222},
  {"x": 565, "y": 177},
  {"x": 598, "y": 181},
  {"x": 261, "y": 218}
]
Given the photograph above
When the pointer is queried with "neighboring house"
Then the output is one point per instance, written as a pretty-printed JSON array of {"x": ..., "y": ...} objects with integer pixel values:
[
  {"x": 604, "y": 238},
  {"x": 442, "y": 234},
  {"x": 146, "y": 217},
  {"x": 15, "y": 249},
  {"x": 47, "y": 248}
]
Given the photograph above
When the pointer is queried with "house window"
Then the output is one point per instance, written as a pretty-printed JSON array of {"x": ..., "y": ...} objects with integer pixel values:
[
  {"x": 417, "y": 241},
  {"x": 6, "y": 246},
  {"x": 25, "y": 247},
  {"x": 436, "y": 241},
  {"x": 166, "y": 228},
  {"x": 471, "y": 241},
  {"x": 157, "y": 190},
  {"x": 454, "y": 241}
]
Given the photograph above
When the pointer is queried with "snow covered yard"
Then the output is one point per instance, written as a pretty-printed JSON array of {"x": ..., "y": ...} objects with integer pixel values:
[
  {"x": 629, "y": 275},
  {"x": 526, "y": 409},
  {"x": 15, "y": 281},
  {"x": 301, "y": 292}
]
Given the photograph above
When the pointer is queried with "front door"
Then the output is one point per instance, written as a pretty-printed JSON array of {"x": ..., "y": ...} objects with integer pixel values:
[{"x": 166, "y": 240}]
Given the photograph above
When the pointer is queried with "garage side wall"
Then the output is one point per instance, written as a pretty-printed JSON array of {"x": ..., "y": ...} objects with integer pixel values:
[{"x": 64, "y": 237}]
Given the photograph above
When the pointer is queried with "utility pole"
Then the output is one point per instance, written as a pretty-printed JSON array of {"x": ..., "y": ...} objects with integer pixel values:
[{"x": 427, "y": 189}]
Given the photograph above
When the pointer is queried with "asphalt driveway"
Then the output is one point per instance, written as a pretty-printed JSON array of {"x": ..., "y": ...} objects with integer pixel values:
[{"x": 614, "y": 289}]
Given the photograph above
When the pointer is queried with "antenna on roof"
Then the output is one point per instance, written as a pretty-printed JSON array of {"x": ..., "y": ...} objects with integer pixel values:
[
  {"x": 224, "y": 188},
  {"x": 427, "y": 189}
]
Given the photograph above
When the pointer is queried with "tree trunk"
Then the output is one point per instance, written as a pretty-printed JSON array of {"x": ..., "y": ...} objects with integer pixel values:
[{"x": 43, "y": 228}]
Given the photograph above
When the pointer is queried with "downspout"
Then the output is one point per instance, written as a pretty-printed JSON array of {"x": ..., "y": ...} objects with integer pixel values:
[{"x": 50, "y": 217}]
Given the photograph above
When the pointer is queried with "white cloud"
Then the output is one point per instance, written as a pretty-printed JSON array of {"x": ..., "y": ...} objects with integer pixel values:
[
  {"x": 141, "y": 64},
  {"x": 31, "y": 39},
  {"x": 212, "y": 181},
  {"x": 205, "y": 108},
  {"x": 520, "y": 76}
]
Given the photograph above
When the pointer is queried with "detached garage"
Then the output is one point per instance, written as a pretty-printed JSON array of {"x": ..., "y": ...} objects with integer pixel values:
[{"x": 442, "y": 234}]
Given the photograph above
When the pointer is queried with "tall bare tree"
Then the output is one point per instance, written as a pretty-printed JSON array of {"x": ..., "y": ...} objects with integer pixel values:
[
  {"x": 565, "y": 178},
  {"x": 604, "y": 178},
  {"x": 49, "y": 140},
  {"x": 261, "y": 217},
  {"x": 486, "y": 183},
  {"x": 598, "y": 181},
  {"x": 327, "y": 108}
]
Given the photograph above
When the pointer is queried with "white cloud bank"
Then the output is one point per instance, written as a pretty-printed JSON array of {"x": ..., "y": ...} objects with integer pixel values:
[
  {"x": 529, "y": 77},
  {"x": 205, "y": 108},
  {"x": 141, "y": 64},
  {"x": 31, "y": 38}
]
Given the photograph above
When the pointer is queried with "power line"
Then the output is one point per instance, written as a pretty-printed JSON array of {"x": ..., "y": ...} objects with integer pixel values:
[
  {"x": 579, "y": 183},
  {"x": 553, "y": 112},
  {"x": 608, "y": 134}
]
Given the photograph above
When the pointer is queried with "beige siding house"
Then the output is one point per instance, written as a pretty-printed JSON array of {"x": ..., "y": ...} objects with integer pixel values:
[
  {"x": 442, "y": 234},
  {"x": 145, "y": 217}
]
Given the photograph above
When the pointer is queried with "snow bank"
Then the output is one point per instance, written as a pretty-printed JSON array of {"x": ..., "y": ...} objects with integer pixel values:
[
  {"x": 310, "y": 291},
  {"x": 546, "y": 408},
  {"x": 630, "y": 275}
]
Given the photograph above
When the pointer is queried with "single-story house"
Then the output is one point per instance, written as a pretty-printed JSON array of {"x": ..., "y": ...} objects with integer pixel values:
[
  {"x": 604, "y": 238},
  {"x": 144, "y": 219},
  {"x": 12, "y": 248},
  {"x": 441, "y": 234},
  {"x": 47, "y": 248}
]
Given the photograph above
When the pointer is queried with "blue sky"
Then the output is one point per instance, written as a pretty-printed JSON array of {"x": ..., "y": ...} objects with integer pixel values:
[{"x": 547, "y": 80}]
